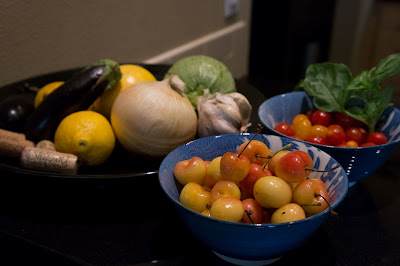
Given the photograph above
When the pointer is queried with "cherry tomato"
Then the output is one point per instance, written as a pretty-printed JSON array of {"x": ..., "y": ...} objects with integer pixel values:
[
  {"x": 309, "y": 114},
  {"x": 320, "y": 117},
  {"x": 364, "y": 134},
  {"x": 335, "y": 135},
  {"x": 302, "y": 129},
  {"x": 285, "y": 129},
  {"x": 298, "y": 118},
  {"x": 377, "y": 137},
  {"x": 351, "y": 144},
  {"x": 367, "y": 144},
  {"x": 345, "y": 121},
  {"x": 319, "y": 130},
  {"x": 317, "y": 140},
  {"x": 354, "y": 134}
]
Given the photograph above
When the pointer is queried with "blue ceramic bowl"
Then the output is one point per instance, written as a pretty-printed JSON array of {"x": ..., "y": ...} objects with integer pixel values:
[
  {"x": 243, "y": 243},
  {"x": 357, "y": 162}
]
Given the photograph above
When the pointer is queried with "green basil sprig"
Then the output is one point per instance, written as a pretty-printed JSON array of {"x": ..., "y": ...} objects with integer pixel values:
[{"x": 335, "y": 90}]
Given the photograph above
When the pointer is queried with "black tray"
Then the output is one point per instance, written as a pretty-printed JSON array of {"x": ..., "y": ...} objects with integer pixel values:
[{"x": 120, "y": 164}]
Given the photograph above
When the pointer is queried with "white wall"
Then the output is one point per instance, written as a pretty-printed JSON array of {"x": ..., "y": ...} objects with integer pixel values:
[{"x": 42, "y": 36}]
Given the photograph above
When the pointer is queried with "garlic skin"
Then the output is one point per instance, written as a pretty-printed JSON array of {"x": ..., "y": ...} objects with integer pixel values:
[{"x": 223, "y": 114}]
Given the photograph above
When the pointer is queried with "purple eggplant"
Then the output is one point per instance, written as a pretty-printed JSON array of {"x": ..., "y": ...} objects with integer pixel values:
[{"x": 75, "y": 94}]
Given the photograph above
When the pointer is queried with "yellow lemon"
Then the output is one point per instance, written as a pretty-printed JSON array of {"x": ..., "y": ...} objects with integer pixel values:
[
  {"x": 86, "y": 134},
  {"x": 46, "y": 90},
  {"x": 130, "y": 75}
]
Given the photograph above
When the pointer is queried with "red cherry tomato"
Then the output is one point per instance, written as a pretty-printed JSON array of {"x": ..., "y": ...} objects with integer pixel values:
[
  {"x": 335, "y": 135},
  {"x": 377, "y": 137},
  {"x": 285, "y": 129},
  {"x": 317, "y": 140},
  {"x": 364, "y": 134},
  {"x": 354, "y": 134},
  {"x": 367, "y": 144},
  {"x": 320, "y": 117},
  {"x": 309, "y": 114},
  {"x": 345, "y": 121}
]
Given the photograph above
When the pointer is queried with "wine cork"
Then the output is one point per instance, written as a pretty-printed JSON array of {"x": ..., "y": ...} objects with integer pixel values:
[
  {"x": 10, "y": 135},
  {"x": 46, "y": 145},
  {"x": 49, "y": 161},
  {"x": 12, "y": 148}
]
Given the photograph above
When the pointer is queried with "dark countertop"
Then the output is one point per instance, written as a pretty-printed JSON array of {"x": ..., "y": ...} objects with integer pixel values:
[{"x": 131, "y": 222}]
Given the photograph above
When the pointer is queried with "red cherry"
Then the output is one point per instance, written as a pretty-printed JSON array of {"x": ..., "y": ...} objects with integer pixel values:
[
  {"x": 292, "y": 167},
  {"x": 253, "y": 211},
  {"x": 308, "y": 162},
  {"x": 234, "y": 167},
  {"x": 246, "y": 185}
]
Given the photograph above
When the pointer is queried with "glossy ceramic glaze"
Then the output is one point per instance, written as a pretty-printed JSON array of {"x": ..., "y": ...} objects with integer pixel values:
[
  {"x": 247, "y": 242},
  {"x": 357, "y": 162}
]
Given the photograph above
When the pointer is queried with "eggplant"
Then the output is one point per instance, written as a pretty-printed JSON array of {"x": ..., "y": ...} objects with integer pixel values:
[
  {"x": 14, "y": 111},
  {"x": 76, "y": 94}
]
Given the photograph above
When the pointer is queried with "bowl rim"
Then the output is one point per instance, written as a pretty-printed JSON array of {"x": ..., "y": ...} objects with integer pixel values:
[
  {"x": 316, "y": 144},
  {"x": 264, "y": 225}
]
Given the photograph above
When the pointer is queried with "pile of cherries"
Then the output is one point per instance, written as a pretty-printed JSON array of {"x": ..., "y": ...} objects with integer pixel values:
[
  {"x": 252, "y": 185},
  {"x": 330, "y": 128}
]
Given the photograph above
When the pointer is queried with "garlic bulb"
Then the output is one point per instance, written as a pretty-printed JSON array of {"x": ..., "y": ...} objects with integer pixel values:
[
  {"x": 223, "y": 113},
  {"x": 152, "y": 118}
]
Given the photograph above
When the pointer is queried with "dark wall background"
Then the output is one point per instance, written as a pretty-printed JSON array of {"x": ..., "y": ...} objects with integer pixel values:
[{"x": 287, "y": 36}]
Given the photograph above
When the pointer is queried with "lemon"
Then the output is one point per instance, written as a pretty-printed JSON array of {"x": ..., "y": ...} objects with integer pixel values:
[
  {"x": 88, "y": 135},
  {"x": 130, "y": 75},
  {"x": 46, "y": 90}
]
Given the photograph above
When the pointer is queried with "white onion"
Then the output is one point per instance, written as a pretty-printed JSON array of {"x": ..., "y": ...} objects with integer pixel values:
[{"x": 154, "y": 117}]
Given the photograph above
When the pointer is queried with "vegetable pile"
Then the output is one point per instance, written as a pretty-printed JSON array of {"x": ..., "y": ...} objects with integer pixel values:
[{"x": 149, "y": 118}]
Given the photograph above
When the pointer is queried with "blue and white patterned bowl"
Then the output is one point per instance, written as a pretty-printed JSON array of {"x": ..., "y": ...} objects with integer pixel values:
[
  {"x": 244, "y": 243},
  {"x": 357, "y": 162}
]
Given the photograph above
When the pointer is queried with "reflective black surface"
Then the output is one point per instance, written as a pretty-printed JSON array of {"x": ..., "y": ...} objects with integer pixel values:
[{"x": 129, "y": 221}]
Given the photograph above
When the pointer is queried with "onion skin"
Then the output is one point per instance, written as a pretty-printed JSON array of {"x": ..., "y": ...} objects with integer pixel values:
[{"x": 152, "y": 118}]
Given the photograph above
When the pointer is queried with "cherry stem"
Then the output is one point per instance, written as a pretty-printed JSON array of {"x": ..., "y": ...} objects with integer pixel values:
[
  {"x": 327, "y": 202},
  {"x": 322, "y": 171},
  {"x": 271, "y": 156},
  {"x": 249, "y": 213},
  {"x": 258, "y": 132}
]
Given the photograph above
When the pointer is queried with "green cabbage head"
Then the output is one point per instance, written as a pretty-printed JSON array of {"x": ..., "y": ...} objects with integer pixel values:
[{"x": 200, "y": 72}]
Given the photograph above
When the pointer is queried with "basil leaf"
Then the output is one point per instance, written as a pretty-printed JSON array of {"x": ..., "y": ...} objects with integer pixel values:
[
  {"x": 374, "y": 104},
  {"x": 326, "y": 83},
  {"x": 387, "y": 67}
]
